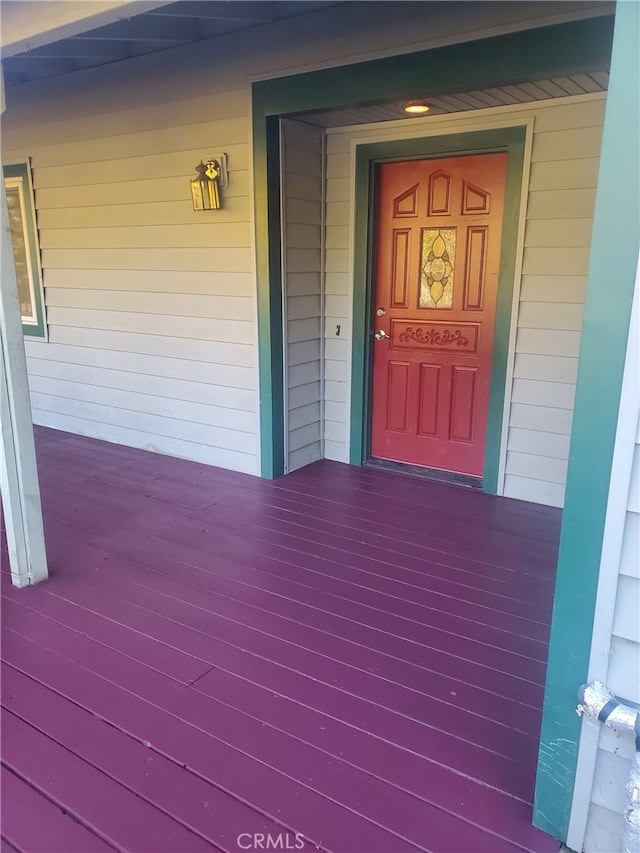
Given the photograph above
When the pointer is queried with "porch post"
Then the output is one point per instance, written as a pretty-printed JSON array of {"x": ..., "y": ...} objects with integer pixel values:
[
  {"x": 610, "y": 285},
  {"x": 19, "y": 485}
]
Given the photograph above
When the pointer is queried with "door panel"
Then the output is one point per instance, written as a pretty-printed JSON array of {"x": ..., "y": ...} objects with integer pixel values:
[{"x": 438, "y": 246}]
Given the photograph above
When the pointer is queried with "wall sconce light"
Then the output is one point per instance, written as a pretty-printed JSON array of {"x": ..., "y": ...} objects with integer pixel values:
[{"x": 205, "y": 187}]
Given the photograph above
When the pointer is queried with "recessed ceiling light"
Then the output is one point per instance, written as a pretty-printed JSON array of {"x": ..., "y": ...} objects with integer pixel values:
[{"x": 416, "y": 108}]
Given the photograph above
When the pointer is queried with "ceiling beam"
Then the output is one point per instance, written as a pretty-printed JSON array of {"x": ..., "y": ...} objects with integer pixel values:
[{"x": 29, "y": 25}]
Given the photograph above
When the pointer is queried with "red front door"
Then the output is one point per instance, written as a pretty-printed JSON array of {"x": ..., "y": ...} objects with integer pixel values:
[{"x": 438, "y": 251}]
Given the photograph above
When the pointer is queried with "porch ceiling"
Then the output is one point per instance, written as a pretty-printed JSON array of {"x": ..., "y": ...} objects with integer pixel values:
[
  {"x": 163, "y": 26},
  {"x": 540, "y": 90},
  {"x": 138, "y": 27}
]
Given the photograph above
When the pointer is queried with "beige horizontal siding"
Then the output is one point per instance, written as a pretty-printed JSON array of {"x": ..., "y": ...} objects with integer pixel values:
[
  {"x": 549, "y": 445},
  {"x": 536, "y": 466},
  {"x": 626, "y": 624},
  {"x": 556, "y": 255},
  {"x": 302, "y": 218},
  {"x": 557, "y": 261},
  {"x": 546, "y": 368},
  {"x": 554, "y": 342},
  {"x": 537, "y": 392},
  {"x": 172, "y": 304},
  {"x": 180, "y": 260},
  {"x": 159, "y": 190},
  {"x": 301, "y": 374},
  {"x": 129, "y": 159},
  {"x": 220, "y": 438},
  {"x": 170, "y": 213},
  {"x": 124, "y": 103},
  {"x": 549, "y": 288},
  {"x": 193, "y": 327},
  {"x": 303, "y": 352},
  {"x": 558, "y": 233},
  {"x": 157, "y": 282},
  {"x": 135, "y": 343},
  {"x": 564, "y": 174},
  {"x": 144, "y": 402},
  {"x": 45, "y": 373},
  {"x": 629, "y": 563},
  {"x": 604, "y": 829},
  {"x": 542, "y": 418},
  {"x": 624, "y": 669},
  {"x": 610, "y": 777},
  {"x": 74, "y": 352},
  {"x": 533, "y": 490},
  {"x": 565, "y": 143},
  {"x": 192, "y": 236},
  {"x": 121, "y": 432}
]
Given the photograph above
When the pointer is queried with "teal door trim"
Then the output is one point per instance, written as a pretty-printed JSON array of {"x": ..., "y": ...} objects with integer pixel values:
[
  {"x": 501, "y": 60},
  {"x": 511, "y": 140},
  {"x": 613, "y": 259}
]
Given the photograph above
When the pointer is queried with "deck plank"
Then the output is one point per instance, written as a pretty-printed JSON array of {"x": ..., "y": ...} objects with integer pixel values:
[
  {"x": 416, "y": 728},
  {"x": 274, "y": 794},
  {"x": 205, "y": 809},
  {"x": 428, "y": 585},
  {"x": 372, "y": 677},
  {"x": 236, "y": 735},
  {"x": 32, "y": 822},
  {"x": 482, "y": 650},
  {"x": 353, "y": 654},
  {"x": 86, "y": 792}
]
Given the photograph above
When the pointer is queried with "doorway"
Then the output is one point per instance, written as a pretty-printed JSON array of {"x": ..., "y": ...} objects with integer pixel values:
[
  {"x": 439, "y": 153},
  {"x": 437, "y": 257}
]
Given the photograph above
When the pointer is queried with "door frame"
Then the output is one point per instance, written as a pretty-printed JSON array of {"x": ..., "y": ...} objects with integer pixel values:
[{"x": 513, "y": 141}]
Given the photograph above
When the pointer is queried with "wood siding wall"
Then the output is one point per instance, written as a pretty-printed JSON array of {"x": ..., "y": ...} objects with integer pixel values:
[
  {"x": 150, "y": 305},
  {"x": 302, "y": 190},
  {"x": 561, "y": 196}
]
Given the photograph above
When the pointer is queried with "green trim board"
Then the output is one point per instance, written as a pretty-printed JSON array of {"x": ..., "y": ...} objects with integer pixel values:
[
  {"x": 616, "y": 230},
  {"x": 266, "y": 142},
  {"x": 511, "y": 140},
  {"x": 21, "y": 172},
  {"x": 501, "y": 60}
]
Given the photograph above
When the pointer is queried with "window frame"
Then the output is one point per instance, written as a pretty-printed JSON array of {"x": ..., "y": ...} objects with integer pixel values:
[{"x": 18, "y": 174}]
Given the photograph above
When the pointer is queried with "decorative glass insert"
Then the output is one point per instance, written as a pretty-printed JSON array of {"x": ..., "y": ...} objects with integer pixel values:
[{"x": 437, "y": 268}]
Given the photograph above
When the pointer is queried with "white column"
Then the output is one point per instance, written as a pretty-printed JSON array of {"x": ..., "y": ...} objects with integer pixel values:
[{"x": 19, "y": 485}]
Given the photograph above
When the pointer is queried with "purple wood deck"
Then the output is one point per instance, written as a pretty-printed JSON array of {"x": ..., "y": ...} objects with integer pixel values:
[{"x": 218, "y": 662}]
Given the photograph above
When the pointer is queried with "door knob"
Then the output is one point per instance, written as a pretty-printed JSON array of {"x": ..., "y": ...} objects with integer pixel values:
[{"x": 381, "y": 335}]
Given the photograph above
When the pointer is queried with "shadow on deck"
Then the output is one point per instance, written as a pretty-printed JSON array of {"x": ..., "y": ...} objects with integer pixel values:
[{"x": 344, "y": 659}]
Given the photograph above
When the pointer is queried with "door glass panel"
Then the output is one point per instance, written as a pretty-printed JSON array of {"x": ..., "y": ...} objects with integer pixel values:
[{"x": 437, "y": 267}]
